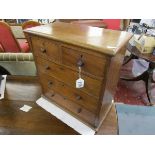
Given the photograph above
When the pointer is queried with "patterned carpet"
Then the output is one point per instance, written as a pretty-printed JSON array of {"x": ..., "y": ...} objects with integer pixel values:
[{"x": 130, "y": 92}]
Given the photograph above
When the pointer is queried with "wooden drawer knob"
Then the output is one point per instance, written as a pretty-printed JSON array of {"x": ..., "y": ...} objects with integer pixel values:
[
  {"x": 43, "y": 50},
  {"x": 52, "y": 95},
  {"x": 50, "y": 83},
  {"x": 78, "y": 97},
  {"x": 79, "y": 110},
  {"x": 80, "y": 62},
  {"x": 47, "y": 67},
  {"x": 65, "y": 98}
]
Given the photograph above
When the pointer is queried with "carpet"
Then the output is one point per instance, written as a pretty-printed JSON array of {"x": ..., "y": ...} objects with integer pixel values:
[{"x": 135, "y": 120}]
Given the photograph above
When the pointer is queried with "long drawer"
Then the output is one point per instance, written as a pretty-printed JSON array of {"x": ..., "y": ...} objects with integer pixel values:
[
  {"x": 86, "y": 101},
  {"x": 92, "y": 64},
  {"x": 46, "y": 48},
  {"x": 73, "y": 108},
  {"x": 68, "y": 76}
]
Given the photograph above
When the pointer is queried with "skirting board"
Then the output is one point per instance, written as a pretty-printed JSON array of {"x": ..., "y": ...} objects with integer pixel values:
[{"x": 65, "y": 117}]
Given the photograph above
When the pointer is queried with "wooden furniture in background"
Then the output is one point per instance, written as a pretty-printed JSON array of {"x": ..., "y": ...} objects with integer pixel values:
[
  {"x": 29, "y": 24},
  {"x": 60, "y": 48},
  {"x": 146, "y": 76}
]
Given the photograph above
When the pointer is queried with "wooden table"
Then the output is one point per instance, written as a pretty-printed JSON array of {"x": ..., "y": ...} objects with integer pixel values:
[
  {"x": 21, "y": 91},
  {"x": 146, "y": 76}
]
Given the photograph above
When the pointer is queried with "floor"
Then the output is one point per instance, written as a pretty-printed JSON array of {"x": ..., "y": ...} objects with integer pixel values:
[{"x": 37, "y": 121}]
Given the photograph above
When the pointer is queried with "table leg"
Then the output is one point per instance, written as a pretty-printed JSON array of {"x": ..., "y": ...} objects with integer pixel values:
[
  {"x": 150, "y": 80},
  {"x": 143, "y": 77},
  {"x": 147, "y": 77},
  {"x": 130, "y": 58}
]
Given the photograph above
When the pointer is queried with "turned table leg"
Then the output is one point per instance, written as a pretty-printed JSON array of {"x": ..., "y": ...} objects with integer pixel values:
[
  {"x": 147, "y": 77},
  {"x": 132, "y": 56}
]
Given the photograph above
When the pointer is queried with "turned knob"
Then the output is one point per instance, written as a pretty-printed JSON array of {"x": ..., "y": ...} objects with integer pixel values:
[
  {"x": 50, "y": 83},
  {"x": 43, "y": 50},
  {"x": 52, "y": 95},
  {"x": 65, "y": 98},
  {"x": 80, "y": 62},
  {"x": 47, "y": 67},
  {"x": 79, "y": 110},
  {"x": 78, "y": 97}
]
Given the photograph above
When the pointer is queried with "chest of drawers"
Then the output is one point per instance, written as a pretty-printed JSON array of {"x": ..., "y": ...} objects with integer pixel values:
[{"x": 60, "y": 49}]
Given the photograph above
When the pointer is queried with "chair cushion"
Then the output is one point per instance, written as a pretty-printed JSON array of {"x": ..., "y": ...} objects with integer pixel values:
[
  {"x": 7, "y": 38},
  {"x": 113, "y": 24},
  {"x": 1, "y": 48},
  {"x": 24, "y": 45}
]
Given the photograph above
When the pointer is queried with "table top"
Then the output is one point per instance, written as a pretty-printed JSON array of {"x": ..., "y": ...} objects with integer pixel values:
[
  {"x": 147, "y": 56},
  {"x": 99, "y": 39}
]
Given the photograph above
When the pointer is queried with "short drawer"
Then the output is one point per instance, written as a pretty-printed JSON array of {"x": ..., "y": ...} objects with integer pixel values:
[
  {"x": 92, "y": 64},
  {"x": 70, "y": 93},
  {"x": 68, "y": 76},
  {"x": 46, "y": 48}
]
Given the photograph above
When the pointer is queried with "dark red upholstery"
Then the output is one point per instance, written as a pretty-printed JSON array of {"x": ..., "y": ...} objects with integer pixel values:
[
  {"x": 8, "y": 41},
  {"x": 113, "y": 24},
  {"x": 24, "y": 45},
  {"x": 1, "y": 48}
]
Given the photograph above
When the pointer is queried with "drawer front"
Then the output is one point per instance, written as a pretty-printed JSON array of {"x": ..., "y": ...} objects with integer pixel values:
[
  {"x": 94, "y": 65},
  {"x": 70, "y": 93},
  {"x": 68, "y": 76},
  {"x": 73, "y": 108},
  {"x": 45, "y": 48}
]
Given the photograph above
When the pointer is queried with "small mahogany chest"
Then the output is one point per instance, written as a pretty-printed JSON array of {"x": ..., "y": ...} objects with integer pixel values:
[{"x": 63, "y": 52}]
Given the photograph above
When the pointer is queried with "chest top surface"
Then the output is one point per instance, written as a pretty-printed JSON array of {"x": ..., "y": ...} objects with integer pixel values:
[{"x": 102, "y": 40}]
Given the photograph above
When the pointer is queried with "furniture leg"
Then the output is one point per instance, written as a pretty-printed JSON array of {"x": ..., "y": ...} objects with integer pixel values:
[
  {"x": 150, "y": 81},
  {"x": 132, "y": 56},
  {"x": 153, "y": 81},
  {"x": 147, "y": 77},
  {"x": 143, "y": 76},
  {"x": 147, "y": 86}
]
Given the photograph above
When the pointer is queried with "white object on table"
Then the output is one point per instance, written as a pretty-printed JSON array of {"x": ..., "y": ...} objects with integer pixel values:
[
  {"x": 2, "y": 86},
  {"x": 25, "y": 108}
]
